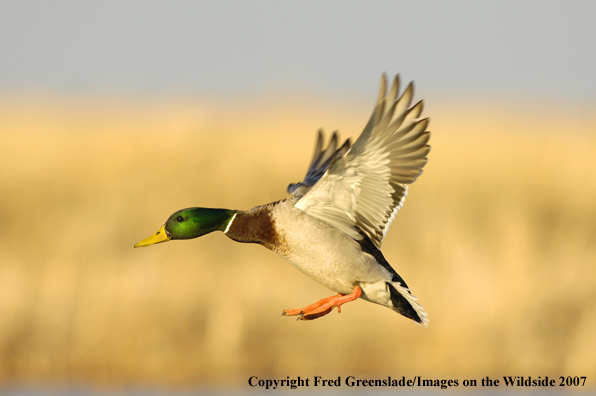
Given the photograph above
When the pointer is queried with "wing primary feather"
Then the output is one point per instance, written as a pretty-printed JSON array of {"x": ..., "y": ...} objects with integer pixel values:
[
  {"x": 392, "y": 96},
  {"x": 318, "y": 144},
  {"x": 405, "y": 99}
]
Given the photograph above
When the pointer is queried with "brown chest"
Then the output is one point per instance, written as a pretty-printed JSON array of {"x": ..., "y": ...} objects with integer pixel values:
[{"x": 255, "y": 226}]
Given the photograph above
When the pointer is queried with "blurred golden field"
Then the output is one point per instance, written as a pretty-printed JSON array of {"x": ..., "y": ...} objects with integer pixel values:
[{"x": 497, "y": 239}]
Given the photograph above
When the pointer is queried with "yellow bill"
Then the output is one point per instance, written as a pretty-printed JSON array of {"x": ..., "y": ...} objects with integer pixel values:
[{"x": 158, "y": 237}]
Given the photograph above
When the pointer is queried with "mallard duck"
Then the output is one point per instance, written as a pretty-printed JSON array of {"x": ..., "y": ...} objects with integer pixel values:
[{"x": 332, "y": 226}]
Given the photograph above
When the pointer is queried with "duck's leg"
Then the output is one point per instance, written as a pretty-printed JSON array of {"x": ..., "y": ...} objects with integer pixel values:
[{"x": 324, "y": 306}]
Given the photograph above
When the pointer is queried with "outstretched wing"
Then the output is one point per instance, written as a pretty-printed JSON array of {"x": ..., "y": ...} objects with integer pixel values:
[
  {"x": 361, "y": 192},
  {"x": 320, "y": 162}
]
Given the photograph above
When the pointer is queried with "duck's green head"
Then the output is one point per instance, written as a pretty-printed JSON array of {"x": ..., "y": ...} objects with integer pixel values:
[{"x": 190, "y": 223}]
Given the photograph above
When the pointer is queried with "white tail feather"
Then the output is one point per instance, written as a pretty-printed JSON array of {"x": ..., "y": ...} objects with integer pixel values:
[{"x": 413, "y": 302}]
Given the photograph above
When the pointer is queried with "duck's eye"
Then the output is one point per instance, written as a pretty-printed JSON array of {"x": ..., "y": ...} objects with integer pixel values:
[{"x": 179, "y": 219}]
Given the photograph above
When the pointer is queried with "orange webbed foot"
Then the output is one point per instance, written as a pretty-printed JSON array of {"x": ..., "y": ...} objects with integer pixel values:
[{"x": 324, "y": 306}]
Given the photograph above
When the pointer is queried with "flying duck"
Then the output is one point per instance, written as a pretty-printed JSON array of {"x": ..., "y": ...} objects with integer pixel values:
[{"x": 332, "y": 226}]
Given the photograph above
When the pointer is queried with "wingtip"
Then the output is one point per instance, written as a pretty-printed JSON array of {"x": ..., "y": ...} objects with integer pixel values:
[
  {"x": 409, "y": 89},
  {"x": 383, "y": 89},
  {"x": 319, "y": 142},
  {"x": 333, "y": 142}
]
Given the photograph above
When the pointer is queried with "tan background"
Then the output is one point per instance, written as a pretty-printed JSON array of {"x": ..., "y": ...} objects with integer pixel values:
[{"x": 497, "y": 239}]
